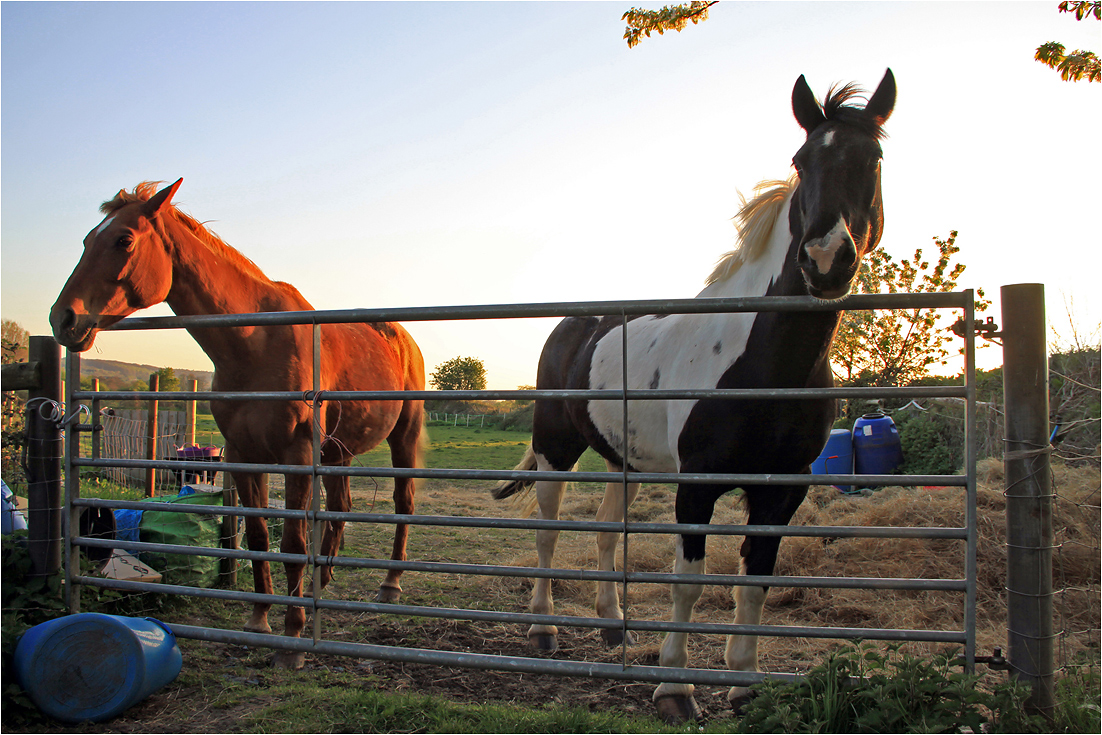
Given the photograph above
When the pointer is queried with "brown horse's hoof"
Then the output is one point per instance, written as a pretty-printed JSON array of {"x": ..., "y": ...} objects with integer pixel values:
[
  {"x": 675, "y": 709},
  {"x": 388, "y": 594},
  {"x": 615, "y": 636},
  {"x": 544, "y": 642},
  {"x": 292, "y": 660},
  {"x": 251, "y": 627}
]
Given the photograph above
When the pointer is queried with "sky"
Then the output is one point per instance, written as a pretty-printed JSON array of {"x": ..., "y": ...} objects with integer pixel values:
[{"x": 423, "y": 154}]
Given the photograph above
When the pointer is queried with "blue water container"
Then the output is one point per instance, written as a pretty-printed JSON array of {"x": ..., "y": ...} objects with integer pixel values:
[
  {"x": 92, "y": 667},
  {"x": 836, "y": 457},
  {"x": 876, "y": 446}
]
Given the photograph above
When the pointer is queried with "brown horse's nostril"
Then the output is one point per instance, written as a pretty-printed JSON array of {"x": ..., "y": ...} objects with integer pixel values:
[{"x": 68, "y": 318}]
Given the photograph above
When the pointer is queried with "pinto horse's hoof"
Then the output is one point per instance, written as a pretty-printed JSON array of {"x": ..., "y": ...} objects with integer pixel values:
[
  {"x": 739, "y": 701},
  {"x": 292, "y": 660},
  {"x": 675, "y": 709},
  {"x": 615, "y": 636},
  {"x": 388, "y": 594},
  {"x": 544, "y": 642}
]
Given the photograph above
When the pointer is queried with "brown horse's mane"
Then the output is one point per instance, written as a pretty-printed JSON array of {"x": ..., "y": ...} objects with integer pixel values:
[
  {"x": 755, "y": 226},
  {"x": 144, "y": 192}
]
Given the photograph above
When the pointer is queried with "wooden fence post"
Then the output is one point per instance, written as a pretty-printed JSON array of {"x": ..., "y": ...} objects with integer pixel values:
[
  {"x": 1029, "y": 494},
  {"x": 191, "y": 411},
  {"x": 151, "y": 436},
  {"x": 44, "y": 454}
]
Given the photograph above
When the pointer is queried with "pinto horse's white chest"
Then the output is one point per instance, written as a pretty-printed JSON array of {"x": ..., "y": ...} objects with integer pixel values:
[{"x": 677, "y": 351}]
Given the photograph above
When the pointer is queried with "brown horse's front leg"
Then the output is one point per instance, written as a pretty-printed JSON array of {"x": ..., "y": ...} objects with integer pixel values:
[
  {"x": 252, "y": 489},
  {"x": 405, "y": 451},
  {"x": 295, "y": 532},
  {"x": 338, "y": 499}
]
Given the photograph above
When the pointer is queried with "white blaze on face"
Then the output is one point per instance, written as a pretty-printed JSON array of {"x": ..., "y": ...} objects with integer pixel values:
[
  {"x": 103, "y": 226},
  {"x": 823, "y": 250}
]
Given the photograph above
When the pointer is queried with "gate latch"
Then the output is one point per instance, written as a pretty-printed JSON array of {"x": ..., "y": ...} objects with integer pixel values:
[{"x": 988, "y": 330}]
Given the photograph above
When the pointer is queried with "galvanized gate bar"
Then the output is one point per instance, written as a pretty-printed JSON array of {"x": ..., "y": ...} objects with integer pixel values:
[
  {"x": 719, "y": 529},
  {"x": 597, "y": 477},
  {"x": 551, "y": 309}
]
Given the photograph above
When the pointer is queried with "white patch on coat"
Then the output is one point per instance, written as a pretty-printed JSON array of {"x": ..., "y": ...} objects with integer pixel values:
[
  {"x": 685, "y": 351},
  {"x": 828, "y": 138},
  {"x": 823, "y": 250}
]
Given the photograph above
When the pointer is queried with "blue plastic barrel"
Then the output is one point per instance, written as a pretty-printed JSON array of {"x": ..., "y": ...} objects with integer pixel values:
[
  {"x": 836, "y": 457},
  {"x": 876, "y": 446},
  {"x": 92, "y": 667}
]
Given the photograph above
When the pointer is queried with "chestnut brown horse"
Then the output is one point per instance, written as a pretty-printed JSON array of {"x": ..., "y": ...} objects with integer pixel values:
[{"x": 145, "y": 252}]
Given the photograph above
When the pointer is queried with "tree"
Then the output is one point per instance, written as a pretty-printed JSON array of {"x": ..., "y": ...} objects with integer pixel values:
[
  {"x": 15, "y": 340},
  {"x": 459, "y": 373},
  {"x": 669, "y": 18},
  {"x": 899, "y": 346},
  {"x": 1079, "y": 64},
  {"x": 167, "y": 379}
]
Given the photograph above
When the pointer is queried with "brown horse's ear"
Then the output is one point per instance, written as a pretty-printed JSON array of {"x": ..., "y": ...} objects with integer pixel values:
[
  {"x": 161, "y": 200},
  {"x": 807, "y": 111},
  {"x": 882, "y": 102}
]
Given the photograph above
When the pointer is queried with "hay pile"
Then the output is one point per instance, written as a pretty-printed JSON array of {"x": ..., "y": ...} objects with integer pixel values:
[{"x": 1077, "y": 564}]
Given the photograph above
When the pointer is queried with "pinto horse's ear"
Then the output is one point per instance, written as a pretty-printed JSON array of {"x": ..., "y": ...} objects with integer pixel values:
[
  {"x": 807, "y": 111},
  {"x": 882, "y": 102},
  {"x": 161, "y": 200}
]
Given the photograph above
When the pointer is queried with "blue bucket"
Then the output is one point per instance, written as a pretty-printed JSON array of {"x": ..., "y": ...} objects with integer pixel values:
[
  {"x": 876, "y": 446},
  {"x": 92, "y": 667},
  {"x": 836, "y": 457}
]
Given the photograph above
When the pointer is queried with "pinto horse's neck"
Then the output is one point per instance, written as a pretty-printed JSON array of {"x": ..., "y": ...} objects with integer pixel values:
[
  {"x": 792, "y": 348},
  {"x": 210, "y": 277}
]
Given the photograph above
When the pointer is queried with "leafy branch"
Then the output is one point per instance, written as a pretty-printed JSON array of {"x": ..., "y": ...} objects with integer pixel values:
[
  {"x": 669, "y": 18},
  {"x": 1079, "y": 64}
]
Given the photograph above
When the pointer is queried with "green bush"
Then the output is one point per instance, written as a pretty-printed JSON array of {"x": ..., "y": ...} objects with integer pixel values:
[{"x": 860, "y": 689}]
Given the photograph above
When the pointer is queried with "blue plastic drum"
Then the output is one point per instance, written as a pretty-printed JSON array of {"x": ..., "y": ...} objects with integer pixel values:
[
  {"x": 836, "y": 458},
  {"x": 92, "y": 667},
  {"x": 876, "y": 446}
]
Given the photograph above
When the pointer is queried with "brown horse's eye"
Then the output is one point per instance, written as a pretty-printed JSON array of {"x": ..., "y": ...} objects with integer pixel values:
[{"x": 125, "y": 242}]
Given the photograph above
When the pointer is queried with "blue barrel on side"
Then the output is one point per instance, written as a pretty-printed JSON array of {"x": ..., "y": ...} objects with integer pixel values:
[
  {"x": 836, "y": 457},
  {"x": 92, "y": 667},
  {"x": 876, "y": 446}
]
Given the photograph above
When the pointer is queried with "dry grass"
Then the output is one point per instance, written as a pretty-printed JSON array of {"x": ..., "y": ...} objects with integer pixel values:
[{"x": 1076, "y": 519}]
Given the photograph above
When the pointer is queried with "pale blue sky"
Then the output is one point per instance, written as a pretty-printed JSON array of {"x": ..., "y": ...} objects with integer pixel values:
[{"x": 418, "y": 154}]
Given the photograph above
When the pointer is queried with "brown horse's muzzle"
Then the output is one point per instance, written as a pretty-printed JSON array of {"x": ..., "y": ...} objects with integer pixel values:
[{"x": 72, "y": 330}]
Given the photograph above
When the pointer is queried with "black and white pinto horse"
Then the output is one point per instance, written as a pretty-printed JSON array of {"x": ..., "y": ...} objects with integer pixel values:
[{"x": 803, "y": 236}]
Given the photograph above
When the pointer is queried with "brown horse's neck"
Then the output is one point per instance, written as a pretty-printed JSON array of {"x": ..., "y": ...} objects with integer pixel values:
[{"x": 213, "y": 278}]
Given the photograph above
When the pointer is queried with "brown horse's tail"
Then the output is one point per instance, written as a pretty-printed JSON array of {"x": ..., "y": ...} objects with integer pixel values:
[{"x": 508, "y": 488}]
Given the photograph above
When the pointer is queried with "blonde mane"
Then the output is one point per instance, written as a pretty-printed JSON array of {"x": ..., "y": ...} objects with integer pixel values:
[
  {"x": 144, "y": 192},
  {"x": 754, "y": 222}
]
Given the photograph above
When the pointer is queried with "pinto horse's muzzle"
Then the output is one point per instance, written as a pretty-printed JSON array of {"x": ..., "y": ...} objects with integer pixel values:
[{"x": 828, "y": 263}]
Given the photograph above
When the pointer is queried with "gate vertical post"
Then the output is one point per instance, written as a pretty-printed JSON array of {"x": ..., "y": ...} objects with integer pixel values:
[
  {"x": 44, "y": 501},
  {"x": 1029, "y": 495}
]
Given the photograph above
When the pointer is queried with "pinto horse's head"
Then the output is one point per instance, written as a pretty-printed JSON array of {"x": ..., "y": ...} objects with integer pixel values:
[
  {"x": 126, "y": 266},
  {"x": 837, "y": 211}
]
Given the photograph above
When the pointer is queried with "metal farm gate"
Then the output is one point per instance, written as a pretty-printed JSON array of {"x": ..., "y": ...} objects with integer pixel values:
[{"x": 965, "y": 484}]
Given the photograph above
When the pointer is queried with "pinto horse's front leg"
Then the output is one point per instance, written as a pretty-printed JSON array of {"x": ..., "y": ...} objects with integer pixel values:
[
  {"x": 767, "y": 506},
  {"x": 549, "y": 496}
]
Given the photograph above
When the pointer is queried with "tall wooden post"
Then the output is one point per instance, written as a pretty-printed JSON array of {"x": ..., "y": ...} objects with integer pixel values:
[
  {"x": 191, "y": 411},
  {"x": 44, "y": 454},
  {"x": 1029, "y": 494},
  {"x": 151, "y": 436}
]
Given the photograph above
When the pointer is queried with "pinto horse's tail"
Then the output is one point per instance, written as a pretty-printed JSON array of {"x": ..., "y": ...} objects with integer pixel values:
[{"x": 508, "y": 488}]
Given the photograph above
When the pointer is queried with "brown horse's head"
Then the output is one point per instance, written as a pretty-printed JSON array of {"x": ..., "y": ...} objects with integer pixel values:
[{"x": 125, "y": 267}]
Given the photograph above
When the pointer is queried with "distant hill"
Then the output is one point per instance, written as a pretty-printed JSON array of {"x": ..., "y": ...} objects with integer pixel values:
[{"x": 115, "y": 375}]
